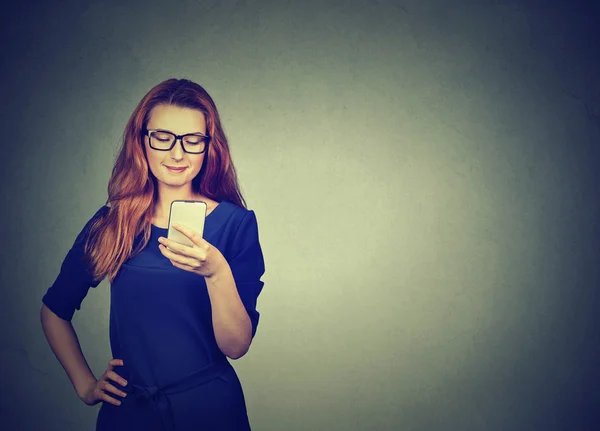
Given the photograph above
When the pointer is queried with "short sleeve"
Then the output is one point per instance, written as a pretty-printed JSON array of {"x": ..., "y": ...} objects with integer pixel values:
[
  {"x": 75, "y": 277},
  {"x": 247, "y": 265}
]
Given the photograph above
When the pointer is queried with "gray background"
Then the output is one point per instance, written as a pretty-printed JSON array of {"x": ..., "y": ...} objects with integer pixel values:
[{"x": 423, "y": 173}]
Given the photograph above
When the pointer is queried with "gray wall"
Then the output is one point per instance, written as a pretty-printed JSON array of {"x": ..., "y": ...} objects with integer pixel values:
[{"x": 423, "y": 176}]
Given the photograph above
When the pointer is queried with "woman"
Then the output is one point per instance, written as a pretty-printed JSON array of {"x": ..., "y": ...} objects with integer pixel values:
[{"x": 175, "y": 315}]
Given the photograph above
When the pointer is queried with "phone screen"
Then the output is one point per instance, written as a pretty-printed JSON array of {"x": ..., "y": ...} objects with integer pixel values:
[{"x": 188, "y": 213}]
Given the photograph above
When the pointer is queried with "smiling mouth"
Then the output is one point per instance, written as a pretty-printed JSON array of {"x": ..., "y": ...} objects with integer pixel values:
[{"x": 176, "y": 168}]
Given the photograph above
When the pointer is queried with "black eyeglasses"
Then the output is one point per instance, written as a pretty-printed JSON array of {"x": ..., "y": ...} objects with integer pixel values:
[{"x": 193, "y": 143}]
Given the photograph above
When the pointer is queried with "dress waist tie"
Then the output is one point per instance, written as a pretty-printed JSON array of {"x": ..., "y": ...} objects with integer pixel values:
[{"x": 157, "y": 395}]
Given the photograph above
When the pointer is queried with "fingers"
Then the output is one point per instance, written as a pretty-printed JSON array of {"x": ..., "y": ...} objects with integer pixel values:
[
  {"x": 116, "y": 378},
  {"x": 112, "y": 389},
  {"x": 104, "y": 385},
  {"x": 114, "y": 363},
  {"x": 199, "y": 251},
  {"x": 191, "y": 234},
  {"x": 174, "y": 247},
  {"x": 189, "y": 260}
]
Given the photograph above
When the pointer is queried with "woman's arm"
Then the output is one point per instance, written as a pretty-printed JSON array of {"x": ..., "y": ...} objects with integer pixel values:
[
  {"x": 64, "y": 343},
  {"x": 231, "y": 324},
  {"x": 233, "y": 283}
]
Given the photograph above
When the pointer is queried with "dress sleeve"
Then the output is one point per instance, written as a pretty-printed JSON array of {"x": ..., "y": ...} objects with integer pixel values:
[
  {"x": 247, "y": 265},
  {"x": 75, "y": 277}
]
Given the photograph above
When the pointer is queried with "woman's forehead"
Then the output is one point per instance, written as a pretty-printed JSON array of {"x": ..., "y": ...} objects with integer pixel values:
[{"x": 176, "y": 119}]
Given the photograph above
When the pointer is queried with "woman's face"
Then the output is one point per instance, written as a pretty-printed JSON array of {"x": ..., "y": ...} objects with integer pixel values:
[{"x": 178, "y": 121}]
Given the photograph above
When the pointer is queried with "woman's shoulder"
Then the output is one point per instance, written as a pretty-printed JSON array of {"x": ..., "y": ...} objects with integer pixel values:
[
  {"x": 235, "y": 228},
  {"x": 233, "y": 211},
  {"x": 232, "y": 219},
  {"x": 100, "y": 213},
  {"x": 104, "y": 209}
]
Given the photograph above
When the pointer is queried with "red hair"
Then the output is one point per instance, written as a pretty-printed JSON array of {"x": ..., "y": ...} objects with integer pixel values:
[{"x": 132, "y": 188}]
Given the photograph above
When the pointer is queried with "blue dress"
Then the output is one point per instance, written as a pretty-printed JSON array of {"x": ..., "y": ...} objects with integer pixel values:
[{"x": 161, "y": 327}]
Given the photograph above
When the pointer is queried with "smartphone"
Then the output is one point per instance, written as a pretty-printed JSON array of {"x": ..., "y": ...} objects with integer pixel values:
[{"x": 189, "y": 213}]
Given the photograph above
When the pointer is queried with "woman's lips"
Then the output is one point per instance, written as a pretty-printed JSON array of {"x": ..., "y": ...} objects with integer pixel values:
[{"x": 176, "y": 170}]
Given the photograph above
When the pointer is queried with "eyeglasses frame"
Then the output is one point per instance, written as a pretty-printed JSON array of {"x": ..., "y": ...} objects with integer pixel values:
[{"x": 177, "y": 138}]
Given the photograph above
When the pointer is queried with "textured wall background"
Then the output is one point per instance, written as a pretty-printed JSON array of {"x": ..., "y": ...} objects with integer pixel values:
[{"x": 424, "y": 177}]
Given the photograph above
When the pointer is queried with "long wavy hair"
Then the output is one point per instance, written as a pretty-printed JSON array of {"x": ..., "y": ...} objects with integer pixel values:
[{"x": 132, "y": 188}]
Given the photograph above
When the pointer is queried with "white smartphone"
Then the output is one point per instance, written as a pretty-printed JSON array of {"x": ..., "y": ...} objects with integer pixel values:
[{"x": 189, "y": 213}]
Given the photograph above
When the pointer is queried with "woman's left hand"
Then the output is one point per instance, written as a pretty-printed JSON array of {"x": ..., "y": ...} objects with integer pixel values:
[{"x": 202, "y": 258}]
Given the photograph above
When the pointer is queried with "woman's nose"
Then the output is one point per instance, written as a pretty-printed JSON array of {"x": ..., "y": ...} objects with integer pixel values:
[{"x": 177, "y": 150}]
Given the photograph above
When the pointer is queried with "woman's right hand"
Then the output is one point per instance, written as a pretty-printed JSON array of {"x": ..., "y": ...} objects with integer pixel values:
[{"x": 98, "y": 391}]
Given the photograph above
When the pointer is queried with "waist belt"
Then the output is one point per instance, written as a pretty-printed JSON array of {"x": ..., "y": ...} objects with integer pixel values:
[{"x": 157, "y": 395}]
